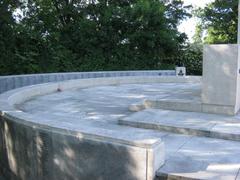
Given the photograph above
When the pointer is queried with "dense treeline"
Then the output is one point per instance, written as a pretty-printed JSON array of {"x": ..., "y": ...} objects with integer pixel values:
[{"x": 86, "y": 35}]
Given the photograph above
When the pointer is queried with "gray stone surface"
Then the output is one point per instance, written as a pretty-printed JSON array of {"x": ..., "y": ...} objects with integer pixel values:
[
  {"x": 34, "y": 152},
  {"x": 175, "y": 105},
  {"x": 192, "y": 123},
  {"x": 93, "y": 127},
  {"x": 203, "y": 158},
  {"x": 86, "y": 119},
  {"x": 103, "y": 102},
  {"x": 16, "y": 81},
  {"x": 173, "y": 142},
  {"x": 80, "y": 158},
  {"x": 221, "y": 79},
  {"x": 238, "y": 176}
]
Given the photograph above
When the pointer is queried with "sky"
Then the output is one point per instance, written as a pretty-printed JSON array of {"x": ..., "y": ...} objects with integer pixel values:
[{"x": 188, "y": 26}]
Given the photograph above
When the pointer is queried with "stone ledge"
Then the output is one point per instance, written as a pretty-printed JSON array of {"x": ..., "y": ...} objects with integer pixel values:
[
  {"x": 17, "y": 81},
  {"x": 103, "y": 157},
  {"x": 145, "y": 153},
  {"x": 190, "y": 123},
  {"x": 182, "y": 105}
]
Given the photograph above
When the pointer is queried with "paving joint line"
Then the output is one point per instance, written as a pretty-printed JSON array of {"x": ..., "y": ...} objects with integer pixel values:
[
  {"x": 185, "y": 143},
  {"x": 238, "y": 173}
]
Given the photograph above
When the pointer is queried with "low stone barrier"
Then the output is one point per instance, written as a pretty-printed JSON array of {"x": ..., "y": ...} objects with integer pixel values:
[
  {"x": 12, "y": 82},
  {"x": 31, "y": 149}
]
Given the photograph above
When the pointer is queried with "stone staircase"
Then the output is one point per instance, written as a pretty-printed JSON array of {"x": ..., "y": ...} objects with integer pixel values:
[{"x": 198, "y": 145}]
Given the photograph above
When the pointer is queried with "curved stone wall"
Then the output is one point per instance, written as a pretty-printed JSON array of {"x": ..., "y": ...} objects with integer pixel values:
[
  {"x": 12, "y": 82},
  {"x": 30, "y": 150}
]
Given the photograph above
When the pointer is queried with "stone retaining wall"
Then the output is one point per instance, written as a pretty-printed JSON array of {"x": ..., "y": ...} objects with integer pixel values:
[
  {"x": 12, "y": 82},
  {"x": 31, "y": 150}
]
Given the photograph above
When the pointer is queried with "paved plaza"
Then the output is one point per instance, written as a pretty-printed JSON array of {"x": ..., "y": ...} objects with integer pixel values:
[{"x": 197, "y": 145}]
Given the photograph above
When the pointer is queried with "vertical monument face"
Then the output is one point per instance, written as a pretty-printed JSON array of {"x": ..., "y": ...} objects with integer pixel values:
[{"x": 221, "y": 82}]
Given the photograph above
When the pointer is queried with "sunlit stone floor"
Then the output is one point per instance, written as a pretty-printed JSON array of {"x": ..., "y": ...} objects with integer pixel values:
[
  {"x": 105, "y": 103},
  {"x": 186, "y": 156}
]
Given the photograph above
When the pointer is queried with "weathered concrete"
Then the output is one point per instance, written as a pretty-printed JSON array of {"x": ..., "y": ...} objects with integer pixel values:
[
  {"x": 36, "y": 152},
  {"x": 191, "y": 123},
  {"x": 181, "y": 98},
  {"x": 65, "y": 128},
  {"x": 16, "y": 81},
  {"x": 202, "y": 158},
  {"x": 61, "y": 154},
  {"x": 220, "y": 84},
  {"x": 144, "y": 151},
  {"x": 238, "y": 176},
  {"x": 175, "y": 105}
]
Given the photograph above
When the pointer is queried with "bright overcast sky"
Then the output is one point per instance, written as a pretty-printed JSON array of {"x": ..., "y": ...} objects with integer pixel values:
[{"x": 188, "y": 26}]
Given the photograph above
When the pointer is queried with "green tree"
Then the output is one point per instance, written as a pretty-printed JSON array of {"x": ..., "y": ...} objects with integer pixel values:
[
  {"x": 7, "y": 34},
  {"x": 220, "y": 20},
  {"x": 83, "y": 35}
]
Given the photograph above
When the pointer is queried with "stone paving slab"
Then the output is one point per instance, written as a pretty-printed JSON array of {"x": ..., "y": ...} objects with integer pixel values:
[
  {"x": 95, "y": 130},
  {"x": 238, "y": 176},
  {"x": 201, "y": 158},
  {"x": 187, "y": 157},
  {"x": 174, "y": 104},
  {"x": 186, "y": 98},
  {"x": 174, "y": 142},
  {"x": 192, "y": 123}
]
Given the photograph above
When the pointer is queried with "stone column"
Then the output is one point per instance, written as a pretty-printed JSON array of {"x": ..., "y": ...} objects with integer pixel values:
[{"x": 221, "y": 80}]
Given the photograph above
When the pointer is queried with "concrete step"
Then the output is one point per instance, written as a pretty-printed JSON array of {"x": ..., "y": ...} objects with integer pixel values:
[
  {"x": 168, "y": 104},
  {"x": 190, "y": 157},
  {"x": 174, "y": 104},
  {"x": 190, "y": 123}
]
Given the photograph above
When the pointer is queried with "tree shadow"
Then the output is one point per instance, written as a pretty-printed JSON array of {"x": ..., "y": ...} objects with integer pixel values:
[{"x": 39, "y": 154}]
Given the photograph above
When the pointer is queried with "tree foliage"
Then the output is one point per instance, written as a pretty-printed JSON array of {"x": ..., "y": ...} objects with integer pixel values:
[
  {"x": 86, "y": 35},
  {"x": 220, "y": 20}
]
